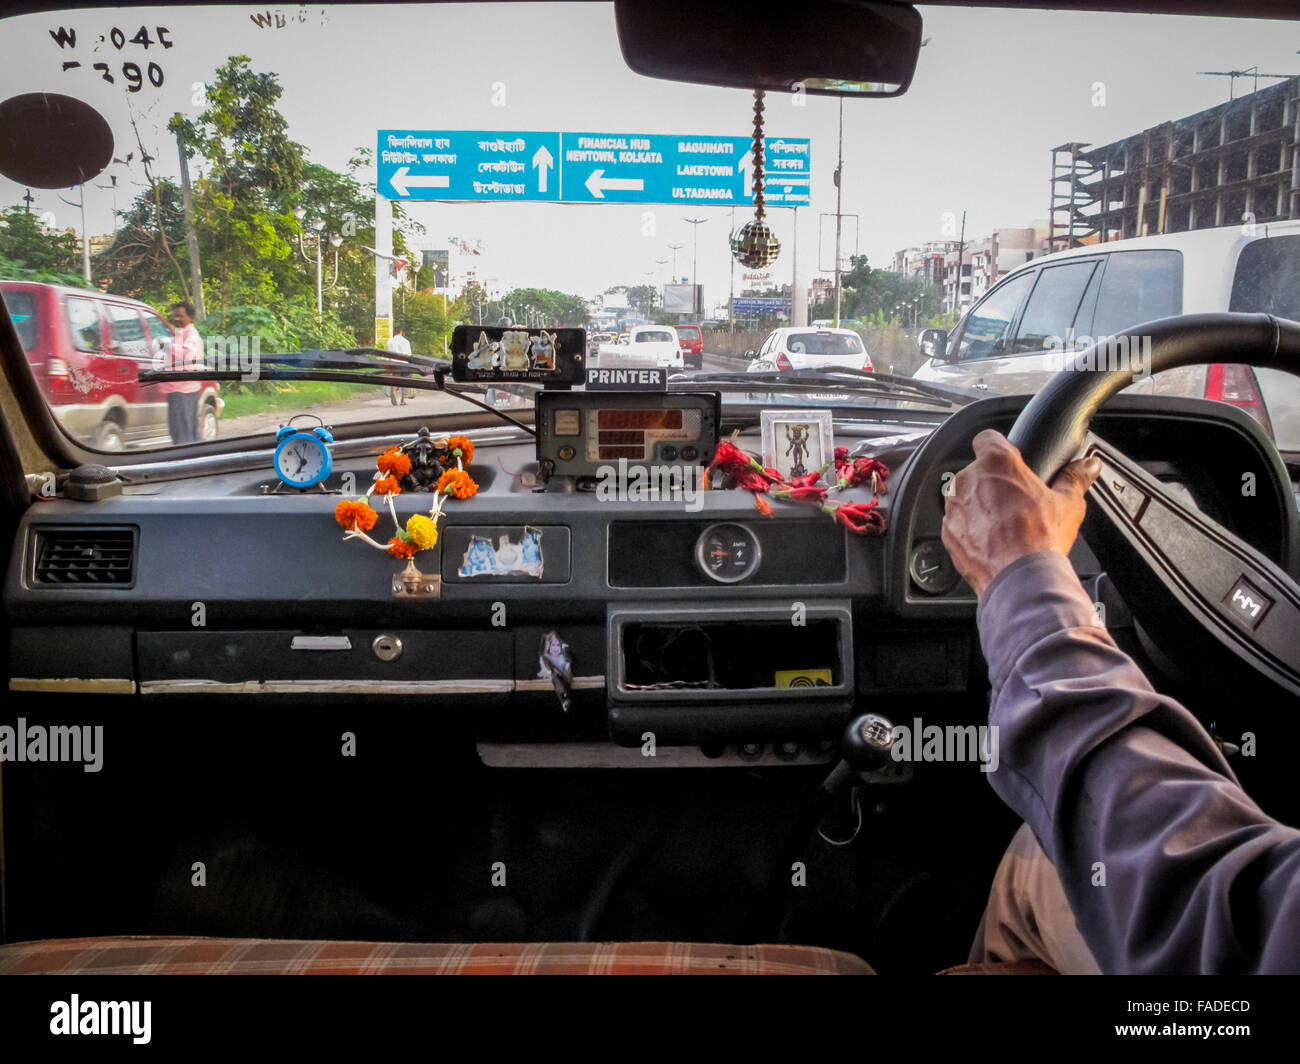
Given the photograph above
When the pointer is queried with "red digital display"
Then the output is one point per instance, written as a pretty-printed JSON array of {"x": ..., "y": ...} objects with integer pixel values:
[{"x": 638, "y": 419}]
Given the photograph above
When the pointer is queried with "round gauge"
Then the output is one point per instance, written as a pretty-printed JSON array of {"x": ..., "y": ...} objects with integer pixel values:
[
  {"x": 727, "y": 553},
  {"x": 302, "y": 458},
  {"x": 931, "y": 568}
]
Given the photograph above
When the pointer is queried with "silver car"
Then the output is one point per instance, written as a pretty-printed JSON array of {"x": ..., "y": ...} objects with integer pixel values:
[{"x": 1014, "y": 339}]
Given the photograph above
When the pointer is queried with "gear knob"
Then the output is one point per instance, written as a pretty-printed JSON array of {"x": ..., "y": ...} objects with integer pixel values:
[{"x": 868, "y": 741}]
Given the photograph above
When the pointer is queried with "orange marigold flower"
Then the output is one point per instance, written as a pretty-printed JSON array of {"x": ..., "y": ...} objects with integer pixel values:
[
  {"x": 355, "y": 515},
  {"x": 386, "y": 486},
  {"x": 463, "y": 444},
  {"x": 399, "y": 548},
  {"x": 394, "y": 462},
  {"x": 458, "y": 483},
  {"x": 762, "y": 505}
]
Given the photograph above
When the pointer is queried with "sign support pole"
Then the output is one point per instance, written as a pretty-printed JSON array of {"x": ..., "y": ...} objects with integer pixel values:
[{"x": 383, "y": 270}]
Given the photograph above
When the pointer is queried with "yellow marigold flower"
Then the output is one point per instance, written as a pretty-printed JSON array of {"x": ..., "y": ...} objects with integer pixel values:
[{"x": 422, "y": 530}]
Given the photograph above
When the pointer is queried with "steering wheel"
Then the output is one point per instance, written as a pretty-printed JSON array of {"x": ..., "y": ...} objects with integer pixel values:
[{"x": 1223, "y": 610}]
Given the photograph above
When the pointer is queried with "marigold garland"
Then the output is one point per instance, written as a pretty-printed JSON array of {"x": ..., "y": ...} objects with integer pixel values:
[
  {"x": 355, "y": 514},
  {"x": 462, "y": 447},
  {"x": 401, "y": 548},
  {"x": 421, "y": 532},
  {"x": 458, "y": 483},
  {"x": 394, "y": 462}
]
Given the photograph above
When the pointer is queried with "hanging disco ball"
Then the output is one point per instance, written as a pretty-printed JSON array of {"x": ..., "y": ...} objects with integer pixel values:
[{"x": 755, "y": 245}]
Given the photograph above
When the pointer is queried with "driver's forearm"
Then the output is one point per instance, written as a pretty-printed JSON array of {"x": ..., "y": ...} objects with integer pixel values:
[{"x": 1167, "y": 864}]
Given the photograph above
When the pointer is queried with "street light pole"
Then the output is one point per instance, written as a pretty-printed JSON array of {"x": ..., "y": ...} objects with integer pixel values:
[
  {"x": 731, "y": 297},
  {"x": 695, "y": 224},
  {"x": 674, "y": 248},
  {"x": 839, "y": 178}
]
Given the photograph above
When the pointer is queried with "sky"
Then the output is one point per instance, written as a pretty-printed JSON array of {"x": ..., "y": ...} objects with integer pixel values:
[{"x": 994, "y": 91}]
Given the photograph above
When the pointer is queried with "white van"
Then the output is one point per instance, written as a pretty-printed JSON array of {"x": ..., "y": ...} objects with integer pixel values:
[{"x": 1011, "y": 342}]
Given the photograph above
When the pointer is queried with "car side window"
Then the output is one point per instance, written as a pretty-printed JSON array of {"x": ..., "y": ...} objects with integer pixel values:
[
  {"x": 83, "y": 321},
  {"x": 127, "y": 331},
  {"x": 160, "y": 335},
  {"x": 1138, "y": 286},
  {"x": 989, "y": 323},
  {"x": 1050, "y": 315}
]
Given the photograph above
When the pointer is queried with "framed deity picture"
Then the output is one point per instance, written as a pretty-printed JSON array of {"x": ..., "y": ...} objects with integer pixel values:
[{"x": 797, "y": 442}]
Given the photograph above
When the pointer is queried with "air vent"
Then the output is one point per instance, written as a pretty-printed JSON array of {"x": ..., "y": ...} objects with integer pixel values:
[{"x": 85, "y": 557}]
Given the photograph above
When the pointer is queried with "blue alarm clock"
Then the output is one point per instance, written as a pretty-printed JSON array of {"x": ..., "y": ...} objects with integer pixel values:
[{"x": 302, "y": 458}]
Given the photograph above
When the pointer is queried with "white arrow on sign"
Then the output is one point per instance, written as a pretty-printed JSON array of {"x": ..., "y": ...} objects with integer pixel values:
[
  {"x": 402, "y": 181},
  {"x": 543, "y": 161},
  {"x": 597, "y": 183}
]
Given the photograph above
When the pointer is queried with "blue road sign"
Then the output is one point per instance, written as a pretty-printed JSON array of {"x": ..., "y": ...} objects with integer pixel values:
[
  {"x": 761, "y": 305},
  {"x": 589, "y": 167}
]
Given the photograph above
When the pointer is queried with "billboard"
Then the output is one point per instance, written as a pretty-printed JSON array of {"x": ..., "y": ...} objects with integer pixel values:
[
  {"x": 683, "y": 298},
  {"x": 438, "y": 260}
]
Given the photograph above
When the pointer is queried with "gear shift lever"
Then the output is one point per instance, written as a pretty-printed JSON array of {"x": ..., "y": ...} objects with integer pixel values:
[
  {"x": 865, "y": 746},
  {"x": 867, "y": 742}
]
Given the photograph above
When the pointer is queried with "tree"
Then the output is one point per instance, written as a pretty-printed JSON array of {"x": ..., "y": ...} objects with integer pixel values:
[
  {"x": 243, "y": 201},
  {"x": 29, "y": 245},
  {"x": 136, "y": 263},
  {"x": 556, "y": 308},
  {"x": 428, "y": 320},
  {"x": 642, "y": 297},
  {"x": 870, "y": 293}
]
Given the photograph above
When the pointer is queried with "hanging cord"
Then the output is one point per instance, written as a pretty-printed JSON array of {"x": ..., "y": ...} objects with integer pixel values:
[{"x": 759, "y": 95}]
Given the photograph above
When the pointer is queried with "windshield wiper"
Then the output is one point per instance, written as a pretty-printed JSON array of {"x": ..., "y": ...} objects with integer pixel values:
[
  {"x": 356, "y": 365},
  {"x": 852, "y": 381}
]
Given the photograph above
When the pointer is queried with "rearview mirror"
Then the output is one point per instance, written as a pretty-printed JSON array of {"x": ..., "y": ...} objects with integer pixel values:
[
  {"x": 821, "y": 47},
  {"x": 934, "y": 343}
]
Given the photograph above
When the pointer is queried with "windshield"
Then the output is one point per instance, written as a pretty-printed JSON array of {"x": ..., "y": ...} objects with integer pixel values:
[{"x": 370, "y": 177}]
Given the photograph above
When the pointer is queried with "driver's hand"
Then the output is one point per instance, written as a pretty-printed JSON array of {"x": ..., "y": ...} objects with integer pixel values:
[{"x": 1000, "y": 511}]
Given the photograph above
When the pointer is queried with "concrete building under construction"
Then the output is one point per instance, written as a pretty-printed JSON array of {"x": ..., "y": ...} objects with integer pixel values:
[{"x": 1232, "y": 164}]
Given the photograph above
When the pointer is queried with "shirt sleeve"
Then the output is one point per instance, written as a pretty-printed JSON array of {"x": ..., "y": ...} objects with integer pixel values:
[
  {"x": 193, "y": 348},
  {"x": 1167, "y": 864}
]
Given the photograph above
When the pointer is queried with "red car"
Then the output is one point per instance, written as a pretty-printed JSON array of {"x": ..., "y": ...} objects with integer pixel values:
[
  {"x": 691, "y": 340},
  {"x": 86, "y": 349}
]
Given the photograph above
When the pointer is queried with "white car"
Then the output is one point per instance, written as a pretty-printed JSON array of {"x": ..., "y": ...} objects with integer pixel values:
[
  {"x": 809, "y": 348},
  {"x": 646, "y": 345},
  {"x": 1015, "y": 339}
]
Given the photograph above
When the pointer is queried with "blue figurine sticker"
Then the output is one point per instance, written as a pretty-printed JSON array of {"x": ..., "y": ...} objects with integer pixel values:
[{"x": 507, "y": 558}]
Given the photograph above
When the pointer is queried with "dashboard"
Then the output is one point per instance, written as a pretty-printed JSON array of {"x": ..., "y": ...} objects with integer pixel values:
[{"x": 725, "y": 635}]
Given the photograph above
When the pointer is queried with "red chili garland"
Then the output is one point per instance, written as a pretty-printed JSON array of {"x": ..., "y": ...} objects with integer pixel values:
[{"x": 859, "y": 517}]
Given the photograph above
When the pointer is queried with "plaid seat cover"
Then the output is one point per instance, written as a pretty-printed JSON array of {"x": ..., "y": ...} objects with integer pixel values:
[{"x": 161, "y": 955}]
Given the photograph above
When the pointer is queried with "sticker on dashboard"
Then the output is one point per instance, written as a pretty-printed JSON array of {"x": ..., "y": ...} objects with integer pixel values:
[{"x": 507, "y": 558}]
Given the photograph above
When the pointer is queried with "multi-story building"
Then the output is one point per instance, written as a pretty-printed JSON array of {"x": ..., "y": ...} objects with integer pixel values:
[
  {"x": 981, "y": 262},
  {"x": 1234, "y": 164}
]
